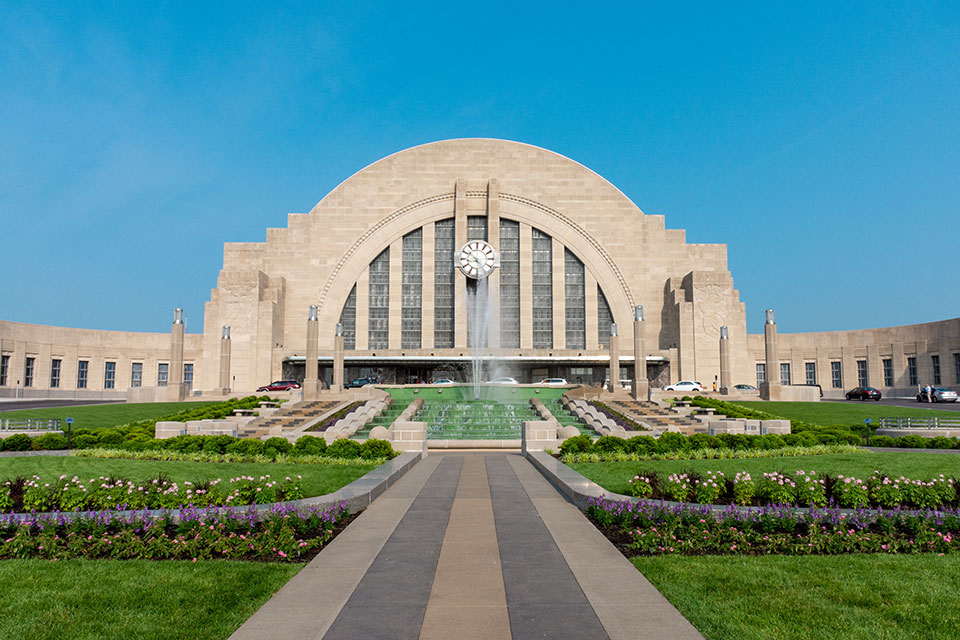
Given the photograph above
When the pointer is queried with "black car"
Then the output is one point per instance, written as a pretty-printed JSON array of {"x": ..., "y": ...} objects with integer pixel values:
[
  {"x": 863, "y": 393},
  {"x": 359, "y": 382}
]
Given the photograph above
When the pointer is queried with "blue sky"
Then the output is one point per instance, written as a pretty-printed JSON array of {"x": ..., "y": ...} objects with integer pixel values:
[{"x": 820, "y": 142}]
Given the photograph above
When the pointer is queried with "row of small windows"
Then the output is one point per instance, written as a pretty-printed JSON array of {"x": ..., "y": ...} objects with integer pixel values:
[
  {"x": 444, "y": 333},
  {"x": 863, "y": 378},
  {"x": 83, "y": 373}
]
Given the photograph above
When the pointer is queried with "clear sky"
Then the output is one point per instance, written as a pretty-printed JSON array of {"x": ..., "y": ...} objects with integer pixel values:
[{"x": 819, "y": 141}]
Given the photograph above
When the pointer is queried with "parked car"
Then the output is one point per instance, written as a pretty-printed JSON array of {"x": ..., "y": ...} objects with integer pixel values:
[
  {"x": 863, "y": 393},
  {"x": 940, "y": 394},
  {"x": 280, "y": 385},
  {"x": 504, "y": 380},
  {"x": 556, "y": 382},
  {"x": 360, "y": 382},
  {"x": 684, "y": 385},
  {"x": 744, "y": 387},
  {"x": 444, "y": 381}
]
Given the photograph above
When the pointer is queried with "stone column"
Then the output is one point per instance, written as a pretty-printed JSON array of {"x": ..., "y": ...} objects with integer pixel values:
[
  {"x": 724, "y": 361},
  {"x": 175, "y": 391},
  {"x": 770, "y": 390},
  {"x": 224, "y": 360},
  {"x": 614, "y": 358},
  {"x": 641, "y": 385},
  {"x": 311, "y": 382},
  {"x": 338, "y": 359}
]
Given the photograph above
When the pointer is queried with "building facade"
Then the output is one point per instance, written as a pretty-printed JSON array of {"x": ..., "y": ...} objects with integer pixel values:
[{"x": 376, "y": 255}]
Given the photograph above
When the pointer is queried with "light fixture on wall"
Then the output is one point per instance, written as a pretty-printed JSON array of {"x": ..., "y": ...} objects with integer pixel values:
[
  {"x": 339, "y": 329},
  {"x": 770, "y": 316},
  {"x": 638, "y": 313},
  {"x": 312, "y": 315},
  {"x": 723, "y": 333},
  {"x": 613, "y": 328},
  {"x": 225, "y": 332}
]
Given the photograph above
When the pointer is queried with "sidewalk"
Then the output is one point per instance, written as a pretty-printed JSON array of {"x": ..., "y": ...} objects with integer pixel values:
[{"x": 469, "y": 546}]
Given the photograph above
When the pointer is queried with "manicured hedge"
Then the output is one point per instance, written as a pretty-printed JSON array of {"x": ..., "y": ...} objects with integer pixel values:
[{"x": 670, "y": 442}]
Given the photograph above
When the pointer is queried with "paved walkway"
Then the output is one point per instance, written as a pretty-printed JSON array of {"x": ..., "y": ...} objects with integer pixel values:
[{"x": 469, "y": 546}]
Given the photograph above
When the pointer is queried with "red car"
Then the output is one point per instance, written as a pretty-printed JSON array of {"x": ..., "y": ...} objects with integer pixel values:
[{"x": 280, "y": 385}]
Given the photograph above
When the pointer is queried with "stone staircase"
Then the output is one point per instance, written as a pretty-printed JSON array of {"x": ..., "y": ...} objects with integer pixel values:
[
  {"x": 656, "y": 417},
  {"x": 289, "y": 418}
]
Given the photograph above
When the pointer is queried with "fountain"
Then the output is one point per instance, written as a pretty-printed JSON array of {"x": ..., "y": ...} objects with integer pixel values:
[{"x": 476, "y": 261}]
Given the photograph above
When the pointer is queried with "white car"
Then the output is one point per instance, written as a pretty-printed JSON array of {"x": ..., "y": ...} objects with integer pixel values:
[
  {"x": 684, "y": 385},
  {"x": 444, "y": 381},
  {"x": 555, "y": 382},
  {"x": 504, "y": 380}
]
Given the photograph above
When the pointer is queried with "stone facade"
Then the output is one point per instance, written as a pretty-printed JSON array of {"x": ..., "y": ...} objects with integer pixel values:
[{"x": 629, "y": 258}]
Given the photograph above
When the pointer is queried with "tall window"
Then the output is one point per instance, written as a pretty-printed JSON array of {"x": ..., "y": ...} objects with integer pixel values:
[
  {"x": 912, "y": 371},
  {"x": 188, "y": 375},
  {"x": 862, "y": 373},
  {"x": 575, "y": 301},
  {"x": 443, "y": 299},
  {"x": 378, "y": 327},
  {"x": 109, "y": 375},
  {"x": 542, "y": 270},
  {"x": 348, "y": 321},
  {"x": 4, "y": 370},
  {"x": 956, "y": 368},
  {"x": 83, "y": 367},
  {"x": 136, "y": 374},
  {"x": 412, "y": 290},
  {"x": 810, "y": 369},
  {"x": 509, "y": 284},
  {"x": 477, "y": 228},
  {"x": 784, "y": 373},
  {"x": 163, "y": 374},
  {"x": 761, "y": 373},
  {"x": 55, "y": 373},
  {"x": 935, "y": 362},
  {"x": 604, "y": 319},
  {"x": 887, "y": 372},
  {"x": 836, "y": 375},
  {"x": 28, "y": 372}
]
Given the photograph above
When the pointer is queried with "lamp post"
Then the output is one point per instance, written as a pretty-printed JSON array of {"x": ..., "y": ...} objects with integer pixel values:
[
  {"x": 311, "y": 382},
  {"x": 338, "y": 358},
  {"x": 225, "y": 349},
  {"x": 724, "y": 360},
  {"x": 640, "y": 389},
  {"x": 614, "y": 357}
]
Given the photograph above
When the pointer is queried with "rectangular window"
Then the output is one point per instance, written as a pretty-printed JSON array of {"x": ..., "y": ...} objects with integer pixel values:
[
  {"x": 378, "y": 324},
  {"x": 4, "y": 370},
  {"x": 509, "y": 284},
  {"x": 862, "y": 373},
  {"x": 761, "y": 373},
  {"x": 784, "y": 373},
  {"x": 935, "y": 363},
  {"x": 348, "y": 320},
  {"x": 604, "y": 319},
  {"x": 810, "y": 369},
  {"x": 109, "y": 375},
  {"x": 188, "y": 375},
  {"x": 163, "y": 374},
  {"x": 477, "y": 228},
  {"x": 541, "y": 268},
  {"x": 83, "y": 366},
  {"x": 28, "y": 372},
  {"x": 443, "y": 299},
  {"x": 136, "y": 374},
  {"x": 836, "y": 375},
  {"x": 55, "y": 373},
  {"x": 412, "y": 290},
  {"x": 575, "y": 302},
  {"x": 956, "y": 368},
  {"x": 912, "y": 371},
  {"x": 887, "y": 372}
]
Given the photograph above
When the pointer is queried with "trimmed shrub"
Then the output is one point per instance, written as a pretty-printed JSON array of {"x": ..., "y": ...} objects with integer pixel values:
[
  {"x": 577, "y": 444},
  {"x": 85, "y": 441},
  {"x": 672, "y": 441},
  {"x": 941, "y": 442},
  {"x": 912, "y": 442},
  {"x": 882, "y": 441},
  {"x": 49, "y": 441},
  {"x": 643, "y": 445},
  {"x": 310, "y": 446},
  {"x": 246, "y": 447},
  {"x": 609, "y": 444},
  {"x": 17, "y": 442},
  {"x": 344, "y": 448},
  {"x": 703, "y": 441},
  {"x": 375, "y": 448},
  {"x": 109, "y": 438},
  {"x": 273, "y": 446}
]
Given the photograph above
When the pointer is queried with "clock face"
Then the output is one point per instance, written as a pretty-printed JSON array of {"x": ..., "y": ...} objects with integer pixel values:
[{"x": 477, "y": 259}]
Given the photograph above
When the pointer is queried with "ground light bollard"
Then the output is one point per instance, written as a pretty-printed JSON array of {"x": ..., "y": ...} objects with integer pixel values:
[
  {"x": 867, "y": 422},
  {"x": 69, "y": 422}
]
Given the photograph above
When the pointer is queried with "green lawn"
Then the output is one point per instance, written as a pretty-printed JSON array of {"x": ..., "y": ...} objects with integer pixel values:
[
  {"x": 109, "y": 599},
  {"x": 853, "y": 412},
  {"x": 318, "y": 479},
  {"x": 613, "y": 476},
  {"x": 104, "y": 415},
  {"x": 855, "y": 597}
]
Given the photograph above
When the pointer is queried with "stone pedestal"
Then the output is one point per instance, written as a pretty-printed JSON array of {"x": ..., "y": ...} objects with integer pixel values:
[
  {"x": 770, "y": 389},
  {"x": 614, "y": 363},
  {"x": 337, "y": 363},
  {"x": 311, "y": 383},
  {"x": 225, "y": 349}
]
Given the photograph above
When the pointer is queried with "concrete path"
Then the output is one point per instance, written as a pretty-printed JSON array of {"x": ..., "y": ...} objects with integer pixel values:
[{"x": 469, "y": 546}]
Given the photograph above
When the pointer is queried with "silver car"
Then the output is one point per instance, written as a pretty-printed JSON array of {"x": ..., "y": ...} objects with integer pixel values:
[{"x": 940, "y": 394}]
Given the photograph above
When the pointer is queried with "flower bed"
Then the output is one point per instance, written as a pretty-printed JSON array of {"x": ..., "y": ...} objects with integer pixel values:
[
  {"x": 617, "y": 417},
  {"x": 705, "y": 454},
  {"x": 106, "y": 493},
  {"x": 797, "y": 488},
  {"x": 647, "y": 528},
  {"x": 282, "y": 535}
]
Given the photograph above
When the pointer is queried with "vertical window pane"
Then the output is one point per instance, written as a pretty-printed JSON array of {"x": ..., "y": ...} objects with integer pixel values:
[
  {"x": 109, "y": 375},
  {"x": 935, "y": 362},
  {"x": 784, "y": 373},
  {"x": 956, "y": 368},
  {"x": 912, "y": 370},
  {"x": 28, "y": 372},
  {"x": 163, "y": 373},
  {"x": 575, "y": 302},
  {"x": 188, "y": 375},
  {"x": 412, "y": 294},
  {"x": 136, "y": 374},
  {"x": 761, "y": 373},
  {"x": 55, "y": 373},
  {"x": 348, "y": 320},
  {"x": 887, "y": 372},
  {"x": 443, "y": 329},
  {"x": 477, "y": 228},
  {"x": 83, "y": 366},
  {"x": 509, "y": 284},
  {"x": 811, "y": 372},
  {"x": 604, "y": 319},
  {"x": 4, "y": 370},
  {"x": 836, "y": 375},
  {"x": 378, "y": 327},
  {"x": 541, "y": 268},
  {"x": 862, "y": 373}
]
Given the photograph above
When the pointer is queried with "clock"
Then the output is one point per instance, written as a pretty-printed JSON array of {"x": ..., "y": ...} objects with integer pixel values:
[{"x": 477, "y": 259}]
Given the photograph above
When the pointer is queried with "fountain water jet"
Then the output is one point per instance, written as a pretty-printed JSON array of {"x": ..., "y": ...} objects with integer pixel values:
[{"x": 478, "y": 310}]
